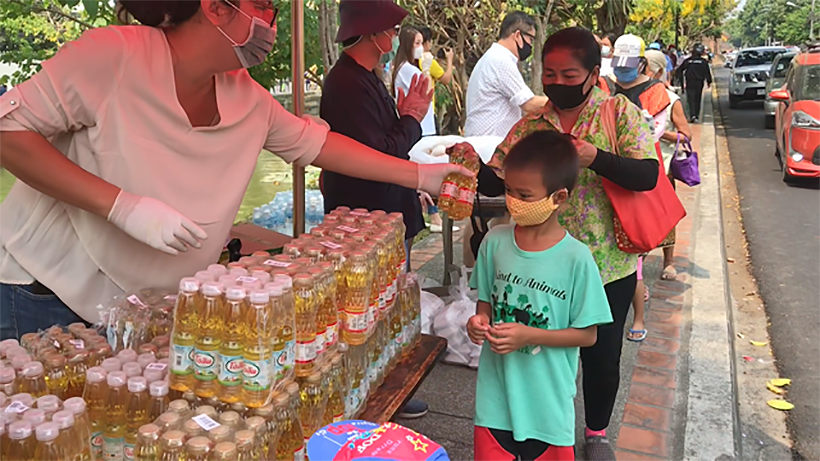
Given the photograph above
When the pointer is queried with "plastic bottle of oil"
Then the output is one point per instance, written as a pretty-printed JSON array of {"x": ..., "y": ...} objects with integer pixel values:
[
  {"x": 115, "y": 416},
  {"x": 329, "y": 307},
  {"x": 82, "y": 427},
  {"x": 56, "y": 376},
  {"x": 158, "y": 399},
  {"x": 259, "y": 427},
  {"x": 313, "y": 400},
  {"x": 172, "y": 445},
  {"x": 95, "y": 395},
  {"x": 358, "y": 382},
  {"x": 335, "y": 410},
  {"x": 231, "y": 363},
  {"x": 147, "y": 448},
  {"x": 288, "y": 331},
  {"x": 197, "y": 449},
  {"x": 290, "y": 444},
  {"x": 21, "y": 441},
  {"x": 319, "y": 286},
  {"x": 224, "y": 451},
  {"x": 279, "y": 343},
  {"x": 450, "y": 197},
  {"x": 8, "y": 381},
  {"x": 136, "y": 413},
  {"x": 304, "y": 294},
  {"x": 359, "y": 281},
  {"x": 69, "y": 437},
  {"x": 258, "y": 372},
  {"x": 208, "y": 340},
  {"x": 246, "y": 446},
  {"x": 186, "y": 325},
  {"x": 78, "y": 363},
  {"x": 33, "y": 380},
  {"x": 48, "y": 446}
]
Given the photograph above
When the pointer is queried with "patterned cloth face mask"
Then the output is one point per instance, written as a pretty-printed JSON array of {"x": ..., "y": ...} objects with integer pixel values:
[{"x": 531, "y": 213}]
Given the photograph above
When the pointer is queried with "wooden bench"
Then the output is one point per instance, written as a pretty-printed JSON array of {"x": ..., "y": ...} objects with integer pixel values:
[{"x": 404, "y": 380}]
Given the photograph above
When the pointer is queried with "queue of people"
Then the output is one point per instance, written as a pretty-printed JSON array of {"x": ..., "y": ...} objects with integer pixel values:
[{"x": 113, "y": 177}]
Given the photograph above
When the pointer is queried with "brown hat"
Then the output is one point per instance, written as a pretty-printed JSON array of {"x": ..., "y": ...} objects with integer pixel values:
[{"x": 365, "y": 17}]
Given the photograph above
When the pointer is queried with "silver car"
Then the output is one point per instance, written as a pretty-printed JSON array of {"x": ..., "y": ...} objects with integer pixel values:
[
  {"x": 777, "y": 77},
  {"x": 750, "y": 70}
]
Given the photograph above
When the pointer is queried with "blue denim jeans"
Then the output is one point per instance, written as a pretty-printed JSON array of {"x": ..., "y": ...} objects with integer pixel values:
[{"x": 22, "y": 311}]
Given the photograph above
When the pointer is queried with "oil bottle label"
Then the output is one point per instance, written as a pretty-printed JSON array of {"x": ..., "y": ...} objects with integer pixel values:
[
  {"x": 448, "y": 189},
  {"x": 230, "y": 370},
  {"x": 257, "y": 375},
  {"x": 182, "y": 359},
  {"x": 371, "y": 317},
  {"x": 466, "y": 195},
  {"x": 128, "y": 452},
  {"x": 97, "y": 444},
  {"x": 331, "y": 335},
  {"x": 290, "y": 354},
  {"x": 339, "y": 418},
  {"x": 319, "y": 345},
  {"x": 305, "y": 352},
  {"x": 206, "y": 365},
  {"x": 299, "y": 455},
  {"x": 113, "y": 448},
  {"x": 382, "y": 300},
  {"x": 356, "y": 323},
  {"x": 279, "y": 361}
]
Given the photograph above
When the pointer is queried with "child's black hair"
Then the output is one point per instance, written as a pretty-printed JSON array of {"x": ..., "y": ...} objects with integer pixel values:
[{"x": 552, "y": 153}]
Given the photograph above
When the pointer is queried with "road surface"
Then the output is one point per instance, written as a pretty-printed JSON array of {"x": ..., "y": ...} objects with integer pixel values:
[{"x": 783, "y": 229}]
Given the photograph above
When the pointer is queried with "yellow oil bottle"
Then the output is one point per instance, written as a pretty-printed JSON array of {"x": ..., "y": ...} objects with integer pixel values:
[
  {"x": 184, "y": 333},
  {"x": 208, "y": 341},
  {"x": 233, "y": 334},
  {"x": 258, "y": 372}
]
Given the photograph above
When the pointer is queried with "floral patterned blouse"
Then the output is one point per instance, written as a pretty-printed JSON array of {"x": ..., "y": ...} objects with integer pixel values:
[{"x": 588, "y": 214}]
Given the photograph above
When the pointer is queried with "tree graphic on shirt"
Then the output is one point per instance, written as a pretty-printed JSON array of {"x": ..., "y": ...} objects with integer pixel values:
[{"x": 521, "y": 312}]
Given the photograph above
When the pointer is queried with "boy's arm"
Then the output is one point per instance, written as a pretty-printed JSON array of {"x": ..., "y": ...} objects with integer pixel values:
[
  {"x": 484, "y": 308},
  {"x": 569, "y": 337}
]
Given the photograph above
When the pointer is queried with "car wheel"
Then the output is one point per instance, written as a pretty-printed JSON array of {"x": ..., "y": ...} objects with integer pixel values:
[
  {"x": 778, "y": 156},
  {"x": 769, "y": 122},
  {"x": 734, "y": 101}
]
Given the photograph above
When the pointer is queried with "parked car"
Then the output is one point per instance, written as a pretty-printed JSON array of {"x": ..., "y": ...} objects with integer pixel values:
[
  {"x": 750, "y": 71},
  {"x": 797, "y": 118},
  {"x": 777, "y": 77}
]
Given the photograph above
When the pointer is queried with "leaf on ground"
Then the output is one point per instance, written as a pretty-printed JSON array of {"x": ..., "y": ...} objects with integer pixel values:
[
  {"x": 780, "y": 404},
  {"x": 780, "y": 382},
  {"x": 758, "y": 343},
  {"x": 774, "y": 388}
]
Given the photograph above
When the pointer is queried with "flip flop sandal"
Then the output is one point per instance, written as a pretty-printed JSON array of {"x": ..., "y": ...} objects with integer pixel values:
[
  {"x": 636, "y": 339},
  {"x": 646, "y": 293},
  {"x": 669, "y": 273},
  {"x": 597, "y": 448}
]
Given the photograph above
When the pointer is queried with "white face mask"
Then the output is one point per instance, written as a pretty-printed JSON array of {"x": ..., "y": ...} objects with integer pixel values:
[
  {"x": 259, "y": 44},
  {"x": 418, "y": 52},
  {"x": 605, "y": 50}
]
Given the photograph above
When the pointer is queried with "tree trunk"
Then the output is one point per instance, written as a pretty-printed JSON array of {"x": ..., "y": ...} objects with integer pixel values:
[
  {"x": 537, "y": 66},
  {"x": 327, "y": 33}
]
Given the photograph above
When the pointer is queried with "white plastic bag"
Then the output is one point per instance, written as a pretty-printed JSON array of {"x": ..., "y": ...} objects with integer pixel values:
[
  {"x": 451, "y": 323},
  {"x": 430, "y": 306}
]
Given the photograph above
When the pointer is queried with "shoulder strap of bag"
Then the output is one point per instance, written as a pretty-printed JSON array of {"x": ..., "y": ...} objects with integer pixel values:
[{"x": 609, "y": 125}]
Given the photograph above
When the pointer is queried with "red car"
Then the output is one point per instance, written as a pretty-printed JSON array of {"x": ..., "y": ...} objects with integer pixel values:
[{"x": 797, "y": 118}]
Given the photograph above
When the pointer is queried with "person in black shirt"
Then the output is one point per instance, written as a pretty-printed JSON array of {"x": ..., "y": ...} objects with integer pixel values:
[{"x": 693, "y": 72}]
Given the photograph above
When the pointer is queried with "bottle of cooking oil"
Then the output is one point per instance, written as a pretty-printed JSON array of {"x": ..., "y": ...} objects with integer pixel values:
[
  {"x": 95, "y": 395},
  {"x": 320, "y": 328},
  {"x": 258, "y": 373},
  {"x": 115, "y": 416},
  {"x": 21, "y": 441},
  {"x": 78, "y": 363},
  {"x": 220, "y": 434},
  {"x": 329, "y": 307},
  {"x": 279, "y": 343},
  {"x": 171, "y": 446},
  {"x": 208, "y": 340},
  {"x": 69, "y": 437},
  {"x": 186, "y": 326},
  {"x": 246, "y": 446},
  {"x": 359, "y": 280},
  {"x": 267, "y": 414},
  {"x": 288, "y": 329},
  {"x": 158, "y": 400},
  {"x": 82, "y": 426},
  {"x": 49, "y": 404},
  {"x": 290, "y": 445},
  {"x": 313, "y": 400},
  {"x": 457, "y": 191},
  {"x": 48, "y": 446},
  {"x": 304, "y": 294},
  {"x": 259, "y": 427},
  {"x": 147, "y": 448},
  {"x": 192, "y": 429},
  {"x": 357, "y": 375},
  {"x": 33, "y": 381},
  {"x": 8, "y": 381},
  {"x": 335, "y": 411},
  {"x": 56, "y": 376},
  {"x": 224, "y": 451},
  {"x": 230, "y": 419},
  {"x": 231, "y": 364},
  {"x": 197, "y": 449},
  {"x": 136, "y": 413}
]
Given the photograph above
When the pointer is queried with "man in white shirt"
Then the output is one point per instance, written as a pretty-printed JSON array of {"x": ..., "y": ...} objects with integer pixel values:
[{"x": 497, "y": 96}]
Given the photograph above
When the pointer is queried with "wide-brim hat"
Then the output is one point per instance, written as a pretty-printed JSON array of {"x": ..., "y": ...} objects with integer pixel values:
[
  {"x": 628, "y": 51},
  {"x": 365, "y": 17}
]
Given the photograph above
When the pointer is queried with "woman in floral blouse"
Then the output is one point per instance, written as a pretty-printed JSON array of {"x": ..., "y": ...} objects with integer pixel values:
[{"x": 572, "y": 60}]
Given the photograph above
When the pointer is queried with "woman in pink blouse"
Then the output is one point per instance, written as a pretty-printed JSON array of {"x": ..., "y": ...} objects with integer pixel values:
[{"x": 133, "y": 147}]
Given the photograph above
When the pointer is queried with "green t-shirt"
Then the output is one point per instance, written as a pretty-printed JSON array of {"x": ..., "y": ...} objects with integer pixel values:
[{"x": 530, "y": 391}]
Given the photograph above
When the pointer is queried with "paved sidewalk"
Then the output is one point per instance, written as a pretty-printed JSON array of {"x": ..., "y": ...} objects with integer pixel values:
[{"x": 654, "y": 401}]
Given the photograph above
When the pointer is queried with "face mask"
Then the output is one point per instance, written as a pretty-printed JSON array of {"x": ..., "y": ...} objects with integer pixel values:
[
  {"x": 418, "y": 52},
  {"x": 625, "y": 74},
  {"x": 605, "y": 50},
  {"x": 393, "y": 43},
  {"x": 525, "y": 50},
  {"x": 567, "y": 97},
  {"x": 259, "y": 43},
  {"x": 531, "y": 213}
]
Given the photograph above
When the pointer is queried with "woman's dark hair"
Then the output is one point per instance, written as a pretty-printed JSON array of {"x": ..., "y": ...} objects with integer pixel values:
[
  {"x": 157, "y": 13},
  {"x": 579, "y": 42},
  {"x": 611, "y": 37},
  {"x": 550, "y": 152},
  {"x": 405, "y": 52}
]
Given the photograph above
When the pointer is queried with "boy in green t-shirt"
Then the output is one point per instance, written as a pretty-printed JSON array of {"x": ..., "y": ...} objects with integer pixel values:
[{"x": 540, "y": 298}]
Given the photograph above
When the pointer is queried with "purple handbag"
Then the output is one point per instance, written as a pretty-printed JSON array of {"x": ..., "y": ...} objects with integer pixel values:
[{"x": 684, "y": 164}]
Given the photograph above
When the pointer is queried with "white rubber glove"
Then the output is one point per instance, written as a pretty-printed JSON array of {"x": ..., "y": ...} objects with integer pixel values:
[
  {"x": 155, "y": 223},
  {"x": 431, "y": 176}
]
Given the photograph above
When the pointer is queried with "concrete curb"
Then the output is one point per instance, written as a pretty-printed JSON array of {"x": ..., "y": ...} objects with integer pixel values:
[{"x": 711, "y": 410}]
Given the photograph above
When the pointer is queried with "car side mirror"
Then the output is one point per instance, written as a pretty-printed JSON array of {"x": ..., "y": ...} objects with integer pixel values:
[{"x": 779, "y": 95}]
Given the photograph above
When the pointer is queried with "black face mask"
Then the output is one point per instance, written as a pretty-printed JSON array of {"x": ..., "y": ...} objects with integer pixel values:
[
  {"x": 525, "y": 50},
  {"x": 567, "y": 97}
]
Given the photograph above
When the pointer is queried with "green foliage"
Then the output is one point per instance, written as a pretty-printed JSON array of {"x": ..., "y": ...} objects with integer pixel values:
[{"x": 774, "y": 20}]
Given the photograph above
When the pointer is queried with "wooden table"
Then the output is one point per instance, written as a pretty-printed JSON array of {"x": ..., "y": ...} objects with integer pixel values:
[
  {"x": 403, "y": 382},
  {"x": 491, "y": 207}
]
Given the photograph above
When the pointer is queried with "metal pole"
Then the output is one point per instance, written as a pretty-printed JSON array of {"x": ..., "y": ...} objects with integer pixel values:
[{"x": 297, "y": 28}]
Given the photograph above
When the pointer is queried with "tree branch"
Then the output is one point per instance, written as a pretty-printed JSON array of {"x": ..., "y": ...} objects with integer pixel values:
[{"x": 40, "y": 9}]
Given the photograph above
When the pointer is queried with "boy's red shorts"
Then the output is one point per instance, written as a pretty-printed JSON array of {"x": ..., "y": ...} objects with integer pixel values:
[{"x": 496, "y": 445}]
